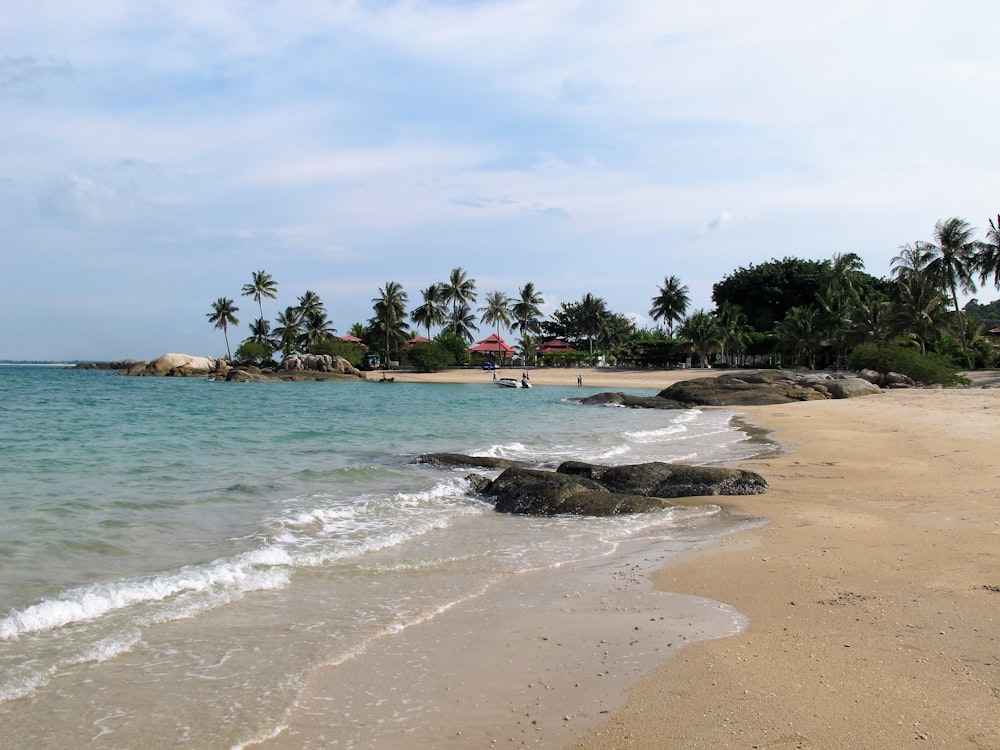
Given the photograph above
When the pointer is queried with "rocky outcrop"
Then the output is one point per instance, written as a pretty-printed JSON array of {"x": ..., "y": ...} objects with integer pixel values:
[
  {"x": 175, "y": 365},
  {"x": 589, "y": 489},
  {"x": 319, "y": 363},
  {"x": 751, "y": 388}
]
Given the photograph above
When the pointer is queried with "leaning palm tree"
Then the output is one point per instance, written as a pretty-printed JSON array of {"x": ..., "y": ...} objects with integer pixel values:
[
  {"x": 431, "y": 312},
  {"x": 988, "y": 258},
  {"x": 458, "y": 290},
  {"x": 223, "y": 315},
  {"x": 390, "y": 312},
  {"x": 526, "y": 309},
  {"x": 671, "y": 303},
  {"x": 951, "y": 263},
  {"x": 261, "y": 286}
]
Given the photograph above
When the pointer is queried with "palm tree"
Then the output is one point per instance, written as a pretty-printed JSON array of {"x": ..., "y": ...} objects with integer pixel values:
[
  {"x": 988, "y": 260},
  {"x": 702, "y": 330},
  {"x": 593, "y": 312},
  {"x": 223, "y": 315},
  {"x": 310, "y": 303},
  {"x": 316, "y": 327},
  {"x": 951, "y": 262},
  {"x": 261, "y": 286},
  {"x": 459, "y": 289},
  {"x": 734, "y": 331},
  {"x": 462, "y": 322},
  {"x": 921, "y": 308},
  {"x": 390, "y": 312},
  {"x": 800, "y": 331},
  {"x": 671, "y": 303},
  {"x": 497, "y": 313},
  {"x": 289, "y": 330},
  {"x": 526, "y": 311},
  {"x": 431, "y": 313},
  {"x": 260, "y": 332}
]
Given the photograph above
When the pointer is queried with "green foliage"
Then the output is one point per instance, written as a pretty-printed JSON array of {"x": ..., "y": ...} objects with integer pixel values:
[
  {"x": 924, "y": 368},
  {"x": 353, "y": 353},
  {"x": 657, "y": 351},
  {"x": 768, "y": 291},
  {"x": 978, "y": 311},
  {"x": 455, "y": 344},
  {"x": 430, "y": 357},
  {"x": 254, "y": 353}
]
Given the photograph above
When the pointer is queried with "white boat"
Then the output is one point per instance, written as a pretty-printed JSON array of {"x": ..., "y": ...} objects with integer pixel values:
[{"x": 513, "y": 383}]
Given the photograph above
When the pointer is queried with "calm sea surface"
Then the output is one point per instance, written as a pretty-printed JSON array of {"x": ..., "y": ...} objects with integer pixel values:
[{"x": 176, "y": 554}]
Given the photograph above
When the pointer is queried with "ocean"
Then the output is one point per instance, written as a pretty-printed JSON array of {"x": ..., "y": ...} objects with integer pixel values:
[{"x": 178, "y": 556}]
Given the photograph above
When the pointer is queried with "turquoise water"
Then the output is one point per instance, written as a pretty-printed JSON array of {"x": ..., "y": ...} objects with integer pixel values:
[{"x": 176, "y": 554}]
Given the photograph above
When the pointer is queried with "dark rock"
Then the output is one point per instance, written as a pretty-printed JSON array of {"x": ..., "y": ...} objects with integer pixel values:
[
  {"x": 591, "y": 489},
  {"x": 460, "y": 459},
  {"x": 632, "y": 402},
  {"x": 478, "y": 483},
  {"x": 519, "y": 490},
  {"x": 659, "y": 479},
  {"x": 757, "y": 388}
]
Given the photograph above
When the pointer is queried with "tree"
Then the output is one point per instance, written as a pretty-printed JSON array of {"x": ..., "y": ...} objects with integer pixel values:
[
  {"x": 390, "y": 314},
  {"x": 988, "y": 260},
  {"x": 262, "y": 285},
  {"x": 497, "y": 313},
  {"x": 951, "y": 263},
  {"x": 526, "y": 311},
  {"x": 289, "y": 330},
  {"x": 702, "y": 330},
  {"x": 223, "y": 315},
  {"x": 316, "y": 328},
  {"x": 733, "y": 329},
  {"x": 800, "y": 331},
  {"x": 767, "y": 291},
  {"x": 459, "y": 290},
  {"x": 462, "y": 323},
  {"x": 593, "y": 313},
  {"x": 671, "y": 303},
  {"x": 431, "y": 312}
]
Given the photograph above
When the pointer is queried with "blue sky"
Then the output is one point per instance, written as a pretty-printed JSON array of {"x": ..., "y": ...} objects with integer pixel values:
[{"x": 154, "y": 154}]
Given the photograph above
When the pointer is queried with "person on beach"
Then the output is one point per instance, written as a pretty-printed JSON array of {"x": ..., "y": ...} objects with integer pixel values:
[{"x": 579, "y": 380}]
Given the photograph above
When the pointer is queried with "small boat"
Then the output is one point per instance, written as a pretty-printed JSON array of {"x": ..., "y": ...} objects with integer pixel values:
[{"x": 507, "y": 383}]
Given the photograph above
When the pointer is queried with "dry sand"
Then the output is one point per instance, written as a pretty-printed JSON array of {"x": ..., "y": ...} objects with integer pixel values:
[{"x": 873, "y": 593}]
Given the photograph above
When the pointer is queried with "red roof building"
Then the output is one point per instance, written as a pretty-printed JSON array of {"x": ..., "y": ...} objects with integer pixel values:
[
  {"x": 554, "y": 346},
  {"x": 493, "y": 344}
]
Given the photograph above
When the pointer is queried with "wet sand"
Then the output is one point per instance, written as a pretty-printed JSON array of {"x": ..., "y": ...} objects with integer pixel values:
[{"x": 872, "y": 596}]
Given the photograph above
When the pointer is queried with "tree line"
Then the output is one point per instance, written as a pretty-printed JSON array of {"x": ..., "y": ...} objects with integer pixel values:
[{"x": 792, "y": 311}]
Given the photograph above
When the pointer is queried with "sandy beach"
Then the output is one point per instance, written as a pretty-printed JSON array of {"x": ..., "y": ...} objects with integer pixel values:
[{"x": 872, "y": 593}]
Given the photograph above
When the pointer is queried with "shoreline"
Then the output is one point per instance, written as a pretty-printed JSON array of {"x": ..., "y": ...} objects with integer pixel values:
[{"x": 871, "y": 594}]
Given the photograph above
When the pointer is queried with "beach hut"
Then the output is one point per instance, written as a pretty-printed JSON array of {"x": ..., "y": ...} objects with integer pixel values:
[
  {"x": 493, "y": 346},
  {"x": 554, "y": 346}
]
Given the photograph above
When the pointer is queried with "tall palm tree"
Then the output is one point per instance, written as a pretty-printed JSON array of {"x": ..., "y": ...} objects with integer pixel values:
[
  {"x": 261, "y": 286},
  {"x": 526, "y": 309},
  {"x": 260, "y": 332},
  {"x": 390, "y": 313},
  {"x": 497, "y": 313},
  {"x": 462, "y": 322},
  {"x": 951, "y": 262},
  {"x": 223, "y": 315},
  {"x": 920, "y": 309},
  {"x": 431, "y": 312},
  {"x": 671, "y": 303},
  {"x": 593, "y": 312},
  {"x": 289, "y": 330},
  {"x": 459, "y": 289}
]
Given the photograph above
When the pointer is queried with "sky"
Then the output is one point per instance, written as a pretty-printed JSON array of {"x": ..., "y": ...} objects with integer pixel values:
[{"x": 153, "y": 155}]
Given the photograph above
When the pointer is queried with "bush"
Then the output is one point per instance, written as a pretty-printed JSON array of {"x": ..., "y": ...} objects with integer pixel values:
[
  {"x": 350, "y": 351},
  {"x": 923, "y": 368},
  {"x": 430, "y": 357},
  {"x": 455, "y": 344},
  {"x": 253, "y": 353}
]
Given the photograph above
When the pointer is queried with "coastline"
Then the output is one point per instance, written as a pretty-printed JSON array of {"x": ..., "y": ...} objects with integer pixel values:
[{"x": 871, "y": 594}]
